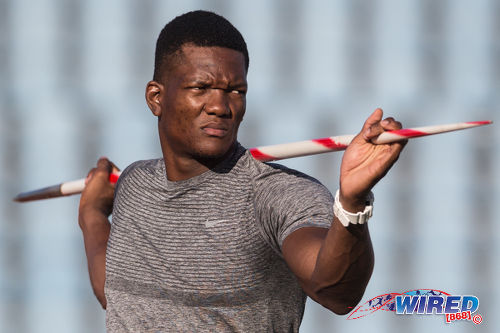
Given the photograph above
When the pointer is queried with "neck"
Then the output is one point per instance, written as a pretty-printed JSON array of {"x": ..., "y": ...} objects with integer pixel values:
[{"x": 182, "y": 167}]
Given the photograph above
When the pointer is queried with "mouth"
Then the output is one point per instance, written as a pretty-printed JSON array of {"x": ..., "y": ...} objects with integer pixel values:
[{"x": 215, "y": 130}]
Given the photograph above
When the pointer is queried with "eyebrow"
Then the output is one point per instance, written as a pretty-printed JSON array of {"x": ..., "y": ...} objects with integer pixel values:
[{"x": 208, "y": 80}]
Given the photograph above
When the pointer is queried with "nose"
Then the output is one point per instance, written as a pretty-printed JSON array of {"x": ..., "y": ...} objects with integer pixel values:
[{"x": 218, "y": 104}]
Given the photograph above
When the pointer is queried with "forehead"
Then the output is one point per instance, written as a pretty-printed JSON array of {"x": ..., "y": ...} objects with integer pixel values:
[{"x": 209, "y": 59}]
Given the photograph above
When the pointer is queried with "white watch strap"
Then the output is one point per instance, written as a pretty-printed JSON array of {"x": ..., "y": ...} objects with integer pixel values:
[{"x": 346, "y": 217}]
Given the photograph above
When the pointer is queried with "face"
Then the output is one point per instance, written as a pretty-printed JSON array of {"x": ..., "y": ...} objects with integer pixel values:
[{"x": 200, "y": 102}]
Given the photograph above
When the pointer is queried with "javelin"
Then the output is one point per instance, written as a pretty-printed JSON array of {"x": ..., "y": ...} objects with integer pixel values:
[{"x": 273, "y": 153}]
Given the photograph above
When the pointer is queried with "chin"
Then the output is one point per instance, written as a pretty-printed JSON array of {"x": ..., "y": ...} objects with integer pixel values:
[{"x": 213, "y": 151}]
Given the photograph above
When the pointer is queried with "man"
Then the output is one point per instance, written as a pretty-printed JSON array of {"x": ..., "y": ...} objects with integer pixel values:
[{"x": 208, "y": 238}]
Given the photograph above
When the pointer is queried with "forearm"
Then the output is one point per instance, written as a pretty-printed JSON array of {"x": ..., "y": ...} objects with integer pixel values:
[
  {"x": 334, "y": 265},
  {"x": 343, "y": 267},
  {"x": 95, "y": 228}
]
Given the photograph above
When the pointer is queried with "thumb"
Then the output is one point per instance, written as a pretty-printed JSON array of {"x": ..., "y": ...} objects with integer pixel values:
[
  {"x": 103, "y": 169},
  {"x": 372, "y": 127},
  {"x": 104, "y": 165}
]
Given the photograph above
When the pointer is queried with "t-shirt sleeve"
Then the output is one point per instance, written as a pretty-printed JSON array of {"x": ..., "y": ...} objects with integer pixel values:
[{"x": 286, "y": 200}]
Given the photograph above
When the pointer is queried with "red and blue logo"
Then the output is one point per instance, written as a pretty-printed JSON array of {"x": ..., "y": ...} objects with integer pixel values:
[{"x": 423, "y": 302}]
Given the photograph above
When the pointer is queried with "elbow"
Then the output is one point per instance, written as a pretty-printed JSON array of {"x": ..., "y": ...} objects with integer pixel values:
[
  {"x": 102, "y": 301},
  {"x": 340, "y": 303},
  {"x": 342, "y": 306},
  {"x": 342, "y": 311},
  {"x": 342, "y": 295},
  {"x": 341, "y": 290},
  {"x": 101, "y": 298}
]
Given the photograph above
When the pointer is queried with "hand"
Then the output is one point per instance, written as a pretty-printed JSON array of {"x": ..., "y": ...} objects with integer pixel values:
[
  {"x": 365, "y": 163},
  {"x": 98, "y": 195},
  {"x": 96, "y": 204}
]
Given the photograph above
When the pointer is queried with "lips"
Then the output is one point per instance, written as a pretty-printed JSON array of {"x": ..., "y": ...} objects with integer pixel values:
[{"x": 215, "y": 129}]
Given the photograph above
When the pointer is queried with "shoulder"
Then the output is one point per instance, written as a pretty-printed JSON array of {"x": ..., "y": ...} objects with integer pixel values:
[
  {"x": 143, "y": 166},
  {"x": 139, "y": 171},
  {"x": 265, "y": 174},
  {"x": 286, "y": 200},
  {"x": 275, "y": 184}
]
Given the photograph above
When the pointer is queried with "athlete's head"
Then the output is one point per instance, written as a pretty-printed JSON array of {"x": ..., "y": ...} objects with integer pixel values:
[
  {"x": 199, "y": 86},
  {"x": 199, "y": 28}
]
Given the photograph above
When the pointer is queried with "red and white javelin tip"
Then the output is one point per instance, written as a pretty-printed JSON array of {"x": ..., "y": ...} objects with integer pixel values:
[
  {"x": 274, "y": 153},
  {"x": 336, "y": 143},
  {"x": 409, "y": 133}
]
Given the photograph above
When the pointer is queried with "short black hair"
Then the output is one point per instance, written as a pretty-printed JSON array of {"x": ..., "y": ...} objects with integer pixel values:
[{"x": 200, "y": 28}]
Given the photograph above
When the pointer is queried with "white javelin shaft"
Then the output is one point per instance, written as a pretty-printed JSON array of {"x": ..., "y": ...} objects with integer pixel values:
[
  {"x": 77, "y": 186},
  {"x": 336, "y": 143},
  {"x": 59, "y": 190},
  {"x": 273, "y": 153},
  {"x": 301, "y": 148}
]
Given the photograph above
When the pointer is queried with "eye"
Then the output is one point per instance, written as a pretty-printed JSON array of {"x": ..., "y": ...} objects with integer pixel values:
[
  {"x": 198, "y": 89},
  {"x": 238, "y": 92}
]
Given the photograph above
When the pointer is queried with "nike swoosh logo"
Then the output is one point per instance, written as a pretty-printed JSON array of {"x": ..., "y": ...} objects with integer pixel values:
[{"x": 211, "y": 223}]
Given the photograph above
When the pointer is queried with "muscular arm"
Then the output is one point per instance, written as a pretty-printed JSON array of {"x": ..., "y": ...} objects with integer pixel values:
[
  {"x": 96, "y": 204},
  {"x": 334, "y": 265},
  {"x": 95, "y": 228}
]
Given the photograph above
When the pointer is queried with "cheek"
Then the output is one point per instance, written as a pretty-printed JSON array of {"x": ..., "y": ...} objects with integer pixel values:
[
  {"x": 180, "y": 126},
  {"x": 180, "y": 116},
  {"x": 186, "y": 127},
  {"x": 239, "y": 107}
]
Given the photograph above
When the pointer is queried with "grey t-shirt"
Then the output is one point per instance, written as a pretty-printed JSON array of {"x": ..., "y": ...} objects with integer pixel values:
[{"x": 204, "y": 254}]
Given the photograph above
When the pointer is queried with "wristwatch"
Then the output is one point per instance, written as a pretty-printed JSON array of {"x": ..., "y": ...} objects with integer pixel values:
[{"x": 346, "y": 217}]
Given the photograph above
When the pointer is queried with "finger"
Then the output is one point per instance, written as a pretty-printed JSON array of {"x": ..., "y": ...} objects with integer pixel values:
[
  {"x": 89, "y": 175},
  {"x": 389, "y": 124},
  {"x": 372, "y": 127},
  {"x": 114, "y": 167},
  {"x": 103, "y": 164},
  {"x": 103, "y": 169},
  {"x": 109, "y": 167},
  {"x": 373, "y": 119},
  {"x": 397, "y": 148}
]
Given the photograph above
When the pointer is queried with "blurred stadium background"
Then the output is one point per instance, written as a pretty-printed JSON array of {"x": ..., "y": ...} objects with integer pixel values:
[{"x": 72, "y": 76}]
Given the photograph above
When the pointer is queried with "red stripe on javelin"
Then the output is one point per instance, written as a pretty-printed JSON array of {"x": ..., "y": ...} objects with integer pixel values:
[
  {"x": 258, "y": 155},
  {"x": 483, "y": 122},
  {"x": 408, "y": 132},
  {"x": 329, "y": 143},
  {"x": 113, "y": 178}
]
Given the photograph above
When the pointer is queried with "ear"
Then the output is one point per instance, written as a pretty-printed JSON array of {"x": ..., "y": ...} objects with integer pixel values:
[{"x": 154, "y": 95}]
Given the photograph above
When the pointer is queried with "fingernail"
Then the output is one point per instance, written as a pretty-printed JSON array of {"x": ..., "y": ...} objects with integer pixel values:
[{"x": 385, "y": 122}]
